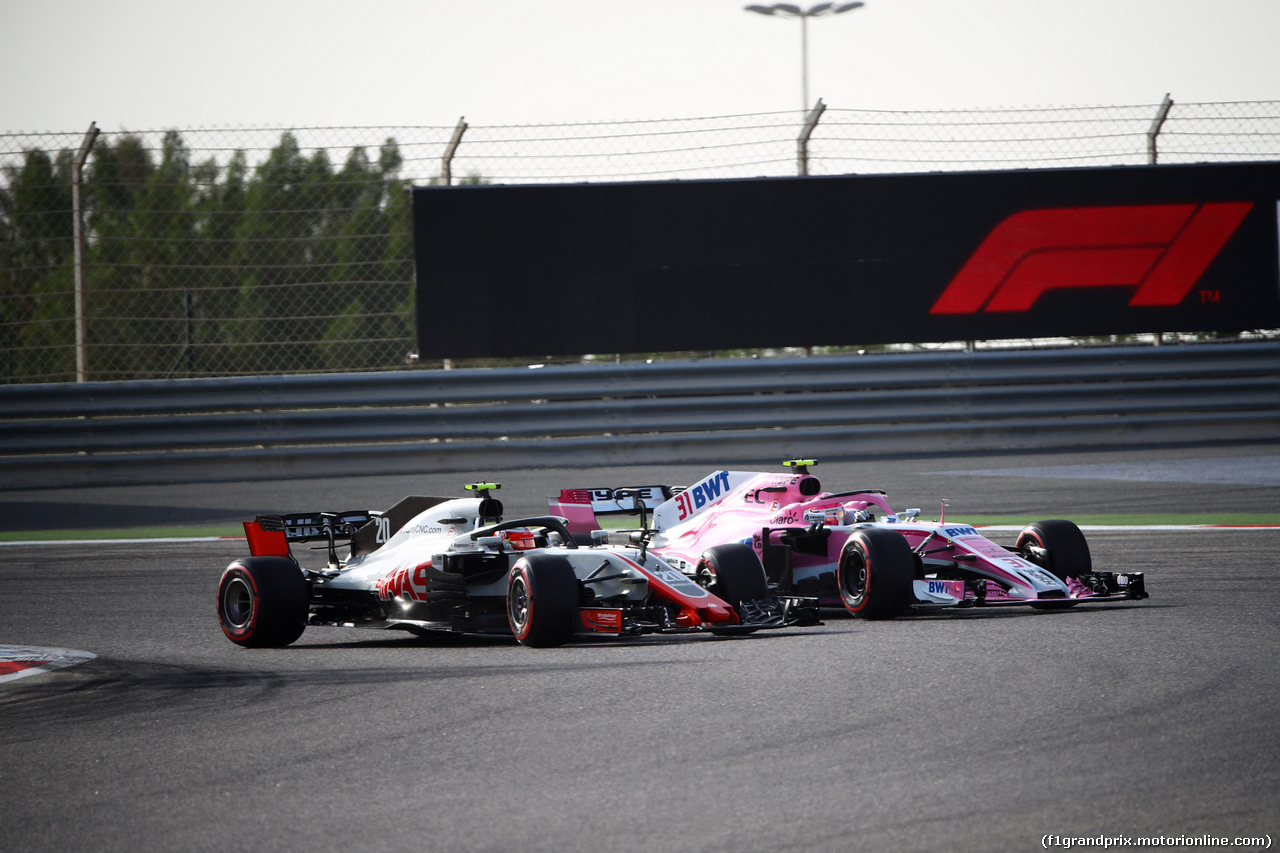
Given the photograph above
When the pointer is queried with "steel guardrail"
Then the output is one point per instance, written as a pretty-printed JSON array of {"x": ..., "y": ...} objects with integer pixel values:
[{"x": 713, "y": 410}]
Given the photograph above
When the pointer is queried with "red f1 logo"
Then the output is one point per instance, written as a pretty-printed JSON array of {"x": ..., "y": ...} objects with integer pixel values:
[{"x": 1162, "y": 250}]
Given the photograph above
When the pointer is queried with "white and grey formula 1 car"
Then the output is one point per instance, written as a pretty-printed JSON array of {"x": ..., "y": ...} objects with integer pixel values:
[
  {"x": 432, "y": 564},
  {"x": 851, "y": 548}
]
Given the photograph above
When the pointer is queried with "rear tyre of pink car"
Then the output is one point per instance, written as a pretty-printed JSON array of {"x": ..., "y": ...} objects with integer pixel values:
[
  {"x": 542, "y": 600},
  {"x": 875, "y": 574}
]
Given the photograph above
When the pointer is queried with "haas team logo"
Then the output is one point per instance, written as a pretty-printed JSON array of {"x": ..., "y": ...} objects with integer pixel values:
[{"x": 1161, "y": 250}]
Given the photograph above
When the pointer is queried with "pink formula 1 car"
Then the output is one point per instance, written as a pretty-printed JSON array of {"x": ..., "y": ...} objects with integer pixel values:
[{"x": 851, "y": 548}]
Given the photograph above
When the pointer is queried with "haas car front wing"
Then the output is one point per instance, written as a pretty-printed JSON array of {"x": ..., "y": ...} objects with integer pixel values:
[{"x": 675, "y": 603}]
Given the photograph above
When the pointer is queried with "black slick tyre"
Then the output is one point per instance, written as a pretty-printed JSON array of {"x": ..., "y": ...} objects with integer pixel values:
[
  {"x": 1058, "y": 546},
  {"x": 262, "y": 602},
  {"x": 542, "y": 600},
  {"x": 875, "y": 573},
  {"x": 737, "y": 573}
]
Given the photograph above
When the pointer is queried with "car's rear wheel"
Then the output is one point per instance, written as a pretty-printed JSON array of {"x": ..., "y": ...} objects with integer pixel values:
[
  {"x": 262, "y": 602},
  {"x": 875, "y": 573},
  {"x": 542, "y": 600}
]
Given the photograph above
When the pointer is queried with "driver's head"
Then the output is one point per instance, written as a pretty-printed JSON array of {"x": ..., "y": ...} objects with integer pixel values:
[{"x": 518, "y": 538}]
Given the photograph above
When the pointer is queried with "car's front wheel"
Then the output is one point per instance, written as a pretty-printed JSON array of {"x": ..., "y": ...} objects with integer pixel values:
[
  {"x": 733, "y": 572},
  {"x": 262, "y": 602},
  {"x": 542, "y": 600},
  {"x": 1058, "y": 546}
]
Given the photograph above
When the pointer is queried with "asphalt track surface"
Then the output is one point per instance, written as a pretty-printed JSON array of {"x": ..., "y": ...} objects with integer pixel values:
[{"x": 981, "y": 730}]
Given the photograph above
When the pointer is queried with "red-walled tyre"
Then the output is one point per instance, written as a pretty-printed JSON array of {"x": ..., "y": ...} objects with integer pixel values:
[
  {"x": 542, "y": 600},
  {"x": 262, "y": 602},
  {"x": 875, "y": 573},
  {"x": 1058, "y": 546}
]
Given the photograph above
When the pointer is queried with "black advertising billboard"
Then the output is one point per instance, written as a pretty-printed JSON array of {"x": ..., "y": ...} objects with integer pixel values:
[{"x": 847, "y": 260}]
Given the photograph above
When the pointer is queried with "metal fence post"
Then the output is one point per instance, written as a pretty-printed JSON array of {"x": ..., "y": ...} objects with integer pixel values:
[
  {"x": 446, "y": 162},
  {"x": 1153, "y": 156},
  {"x": 802, "y": 142},
  {"x": 77, "y": 205},
  {"x": 1161, "y": 115}
]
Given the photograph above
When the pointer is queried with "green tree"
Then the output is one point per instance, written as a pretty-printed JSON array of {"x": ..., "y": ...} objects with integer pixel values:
[
  {"x": 36, "y": 281},
  {"x": 277, "y": 254},
  {"x": 370, "y": 270},
  {"x": 208, "y": 268},
  {"x": 219, "y": 212}
]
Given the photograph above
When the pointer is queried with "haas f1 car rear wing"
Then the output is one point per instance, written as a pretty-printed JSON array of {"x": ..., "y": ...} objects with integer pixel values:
[{"x": 364, "y": 530}]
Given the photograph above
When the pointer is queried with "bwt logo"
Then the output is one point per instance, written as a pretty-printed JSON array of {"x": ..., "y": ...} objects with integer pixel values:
[{"x": 1160, "y": 249}]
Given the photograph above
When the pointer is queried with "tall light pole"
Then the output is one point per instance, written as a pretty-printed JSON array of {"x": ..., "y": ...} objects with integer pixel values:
[{"x": 790, "y": 10}]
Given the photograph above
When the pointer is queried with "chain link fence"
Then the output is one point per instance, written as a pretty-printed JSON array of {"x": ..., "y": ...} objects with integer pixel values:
[{"x": 244, "y": 251}]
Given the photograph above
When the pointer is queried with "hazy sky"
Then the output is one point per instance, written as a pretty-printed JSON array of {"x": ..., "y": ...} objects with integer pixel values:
[{"x": 155, "y": 64}]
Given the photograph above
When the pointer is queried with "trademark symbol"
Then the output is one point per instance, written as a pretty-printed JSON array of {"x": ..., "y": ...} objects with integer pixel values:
[{"x": 1210, "y": 297}]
